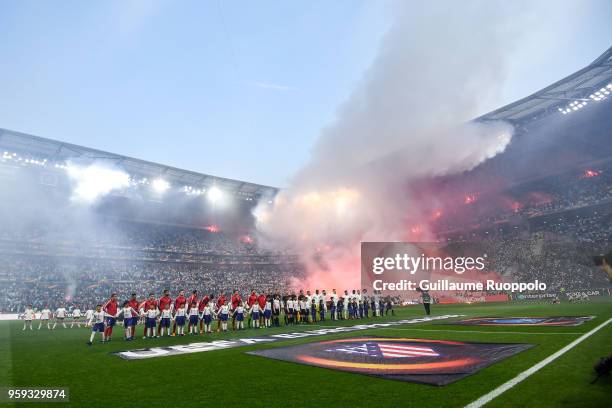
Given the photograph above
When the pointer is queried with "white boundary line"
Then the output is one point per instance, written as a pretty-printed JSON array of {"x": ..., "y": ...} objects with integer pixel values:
[
  {"x": 482, "y": 331},
  {"x": 509, "y": 384}
]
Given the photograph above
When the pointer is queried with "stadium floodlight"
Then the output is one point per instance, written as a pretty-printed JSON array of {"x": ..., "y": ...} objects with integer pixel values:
[
  {"x": 160, "y": 185},
  {"x": 214, "y": 194}
]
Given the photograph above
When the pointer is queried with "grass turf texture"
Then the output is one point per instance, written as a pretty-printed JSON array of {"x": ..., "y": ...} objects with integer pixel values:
[{"x": 230, "y": 377}]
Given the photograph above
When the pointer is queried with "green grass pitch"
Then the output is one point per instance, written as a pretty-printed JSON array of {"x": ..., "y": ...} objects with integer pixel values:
[{"x": 226, "y": 378}]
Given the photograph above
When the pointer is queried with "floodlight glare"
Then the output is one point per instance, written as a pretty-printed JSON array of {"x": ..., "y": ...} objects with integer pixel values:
[
  {"x": 160, "y": 185},
  {"x": 93, "y": 181},
  {"x": 214, "y": 194}
]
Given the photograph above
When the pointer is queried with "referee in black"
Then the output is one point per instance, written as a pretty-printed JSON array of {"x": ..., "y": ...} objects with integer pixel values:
[{"x": 426, "y": 297}]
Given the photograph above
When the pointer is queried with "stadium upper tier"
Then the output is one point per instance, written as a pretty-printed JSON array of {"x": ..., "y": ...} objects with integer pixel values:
[
  {"x": 564, "y": 96},
  {"x": 53, "y": 154}
]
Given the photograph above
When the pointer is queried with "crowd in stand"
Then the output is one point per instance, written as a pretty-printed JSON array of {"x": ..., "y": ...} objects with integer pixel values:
[
  {"x": 134, "y": 257},
  {"x": 551, "y": 232},
  {"x": 140, "y": 236},
  {"x": 558, "y": 252},
  {"x": 46, "y": 281},
  {"x": 560, "y": 265},
  {"x": 558, "y": 193}
]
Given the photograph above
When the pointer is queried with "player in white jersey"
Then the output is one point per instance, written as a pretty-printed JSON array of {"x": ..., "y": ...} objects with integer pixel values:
[
  {"x": 323, "y": 298},
  {"x": 127, "y": 311},
  {"x": 223, "y": 316},
  {"x": 239, "y": 316},
  {"x": 179, "y": 318},
  {"x": 150, "y": 321},
  {"x": 194, "y": 317},
  {"x": 304, "y": 306},
  {"x": 88, "y": 314},
  {"x": 96, "y": 321},
  {"x": 76, "y": 317},
  {"x": 267, "y": 312},
  {"x": 45, "y": 315},
  {"x": 366, "y": 303},
  {"x": 165, "y": 317},
  {"x": 28, "y": 316},
  {"x": 208, "y": 314},
  {"x": 308, "y": 299},
  {"x": 347, "y": 300},
  {"x": 334, "y": 304},
  {"x": 276, "y": 308},
  {"x": 60, "y": 316},
  {"x": 255, "y": 311},
  {"x": 292, "y": 309}
]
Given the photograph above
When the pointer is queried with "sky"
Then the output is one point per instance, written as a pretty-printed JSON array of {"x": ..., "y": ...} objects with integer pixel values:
[{"x": 235, "y": 89}]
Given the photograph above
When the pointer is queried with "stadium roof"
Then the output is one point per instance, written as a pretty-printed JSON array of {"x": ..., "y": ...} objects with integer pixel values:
[
  {"x": 59, "y": 152},
  {"x": 576, "y": 87}
]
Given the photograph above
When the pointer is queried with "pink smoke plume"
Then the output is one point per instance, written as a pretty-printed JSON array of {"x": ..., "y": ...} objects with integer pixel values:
[{"x": 406, "y": 122}]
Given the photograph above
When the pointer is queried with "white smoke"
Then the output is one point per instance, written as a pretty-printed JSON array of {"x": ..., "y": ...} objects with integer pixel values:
[
  {"x": 94, "y": 181},
  {"x": 408, "y": 119}
]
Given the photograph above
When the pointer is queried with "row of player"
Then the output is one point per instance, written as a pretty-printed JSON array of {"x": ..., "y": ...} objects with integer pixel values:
[{"x": 261, "y": 310}]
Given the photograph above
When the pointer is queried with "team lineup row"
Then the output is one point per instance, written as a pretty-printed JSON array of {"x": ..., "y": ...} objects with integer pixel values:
[{"x": 158, "y": 315}]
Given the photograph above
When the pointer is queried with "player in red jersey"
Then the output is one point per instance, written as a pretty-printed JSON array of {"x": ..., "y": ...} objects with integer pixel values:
[
  {"x": 180, "y": 301},
  {"x": 262, "y": 304},
  {"x": 164, "y": 301},
  {"x": 133, "y": 303},
  {"x": 203, "y": 303},
  {"x": 146, "y": 305},
  {"x": 236, "y": 300},
  {"x": 193, "y": 298},
  {"x": 110, "y": 308},
  {"x": 250, "y": 302}
]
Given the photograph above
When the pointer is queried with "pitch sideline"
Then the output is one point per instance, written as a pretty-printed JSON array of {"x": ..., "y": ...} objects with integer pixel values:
[
  {"x": 480, "y": 331},
  {"x": 525, "y": 374}
]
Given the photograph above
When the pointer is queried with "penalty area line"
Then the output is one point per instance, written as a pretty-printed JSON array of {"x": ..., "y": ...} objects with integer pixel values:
[
  {"x": 522, "y": 376},
  {"x": 481, "y": 331}
]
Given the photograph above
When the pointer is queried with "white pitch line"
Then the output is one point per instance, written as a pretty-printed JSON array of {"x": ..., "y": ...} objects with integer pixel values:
[
  {"x": 511, "y": 383},
  {"x": 481, "y": 331}
]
